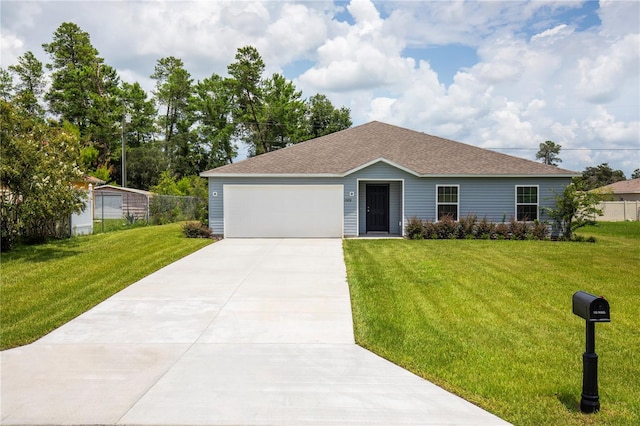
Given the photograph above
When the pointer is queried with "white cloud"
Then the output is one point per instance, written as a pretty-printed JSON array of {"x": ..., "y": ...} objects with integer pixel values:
[
  {"x": 604, "y": 76},
  {"x": 23, "y": 15},
  {"x": 382, "y": 110},
  {"x": 498, "y": 72},
  {"x": 351, "y": 65},
  {"x": 363, "y": 56},
  {"x": 611, "y": 132},
  {"x": 12, "y": 48},
  {"x": 210, "y": 29},
  {"x": 464, "y": 22},
  {"x": 551, "y": 35},
  {"x": 536, "y": 105},
  {"x": 509, "y": 130},
  {"x": 297, "y": 31},
  {"x": 366, "y": 16},
  {"x": 619, "y": 18},
  {"x": 564, "y": 132}
]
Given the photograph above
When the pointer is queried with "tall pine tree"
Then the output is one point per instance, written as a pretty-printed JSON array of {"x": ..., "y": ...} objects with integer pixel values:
[
  {"x": 31, "y": 84},
  {"x": 84, "y": 90},
  {"x": 173, "y": 91}
]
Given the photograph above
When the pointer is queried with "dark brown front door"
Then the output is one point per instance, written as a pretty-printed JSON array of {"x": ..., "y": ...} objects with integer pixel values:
[{"x": 377, "y": 208}]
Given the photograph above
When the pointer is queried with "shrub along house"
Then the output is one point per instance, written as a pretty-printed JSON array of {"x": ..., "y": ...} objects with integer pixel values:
[{"x": 372, "y": 179}]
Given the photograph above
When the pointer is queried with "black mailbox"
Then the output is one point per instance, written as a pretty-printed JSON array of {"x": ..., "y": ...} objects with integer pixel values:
[
  {"x": 590, "y": 307},
  {"x": 593, "y": 309}
]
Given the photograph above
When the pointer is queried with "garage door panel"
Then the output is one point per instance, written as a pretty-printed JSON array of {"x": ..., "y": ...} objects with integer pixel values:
[{"x": 283, "y": 211}]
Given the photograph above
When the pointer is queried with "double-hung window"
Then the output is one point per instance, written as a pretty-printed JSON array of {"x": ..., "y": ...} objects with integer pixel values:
[
  {"x": 447, "y": 201},
  {"x": 527, "y": 203}
]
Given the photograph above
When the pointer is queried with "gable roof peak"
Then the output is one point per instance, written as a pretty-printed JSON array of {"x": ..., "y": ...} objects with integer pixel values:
[{"x": 349, "y": 150}]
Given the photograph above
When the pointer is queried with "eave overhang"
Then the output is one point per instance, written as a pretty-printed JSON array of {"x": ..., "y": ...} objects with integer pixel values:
[{"x": 212, "y": 174}]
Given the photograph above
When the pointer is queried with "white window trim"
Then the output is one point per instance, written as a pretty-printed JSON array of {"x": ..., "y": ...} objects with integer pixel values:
[
  {"x": 457, "y": 203},
  {"x": 537, "y": 203}
]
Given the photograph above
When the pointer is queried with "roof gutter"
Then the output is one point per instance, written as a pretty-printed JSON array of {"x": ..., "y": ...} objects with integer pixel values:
[
  {"x": 212, "y": 173},
  {"x": 568, "y": 175},
  {"x": 266, "y": 175},
  {"x": 341, "y": 175}
]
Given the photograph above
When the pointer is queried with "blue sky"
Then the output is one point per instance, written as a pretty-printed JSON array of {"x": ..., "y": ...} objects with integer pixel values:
[
  {"x": 445, "y": 60},
  {"x": 501, "y": 75}
]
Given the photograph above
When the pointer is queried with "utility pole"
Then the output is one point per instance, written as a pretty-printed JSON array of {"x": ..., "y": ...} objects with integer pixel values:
[{"x": 125, "y": 117}]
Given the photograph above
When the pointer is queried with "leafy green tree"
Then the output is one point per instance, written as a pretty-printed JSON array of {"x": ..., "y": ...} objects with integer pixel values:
[
  {"x": 596, "y": 177},
  {"x": 6, "y": 85},
  {"x": 38, "y": 167},
  {"x": 103, "y": 173},
  {"x": 166, "y": 185},
  {"x": 574, "y": 209},
  {"x": 104, "y": 114},
  {"x": 188, "y": 157},
  {"x": 322, "y": 118},
  {"x": 141, "y": 112},
  {"x": 269, "y": 112},
  {"x": 635, "y": 174},
  {"x": 548, "y": 153},
  {"x": 30, "y": 88},
  {"x": 144, "y": 157},
  {"x": 246, "y": 72},
  {"x": 212, "y": 105},
  {"x": 73, "y": 57},
  {"x": 84, "y": 90},
  {"x": 88, "y": 157},
  {"x": 173, "y": 91},
  {"x": 282, "y": 114},
  {"x": 188, "y": 186},
  {"x": 145, "y": 164}
]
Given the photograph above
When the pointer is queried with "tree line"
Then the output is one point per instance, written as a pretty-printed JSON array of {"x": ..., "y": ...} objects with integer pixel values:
[
  {"x": 57, "y": 130},
  {"x": 183, "y": 127},
  {"x": 592, "y": 177}
]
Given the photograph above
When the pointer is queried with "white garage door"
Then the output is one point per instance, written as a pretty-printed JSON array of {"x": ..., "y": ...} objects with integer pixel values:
[{"x": 283, "y": 211}]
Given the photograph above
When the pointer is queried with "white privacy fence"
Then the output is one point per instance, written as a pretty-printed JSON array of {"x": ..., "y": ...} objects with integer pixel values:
[
  {"x": 82, "y": 223},
  {"x": 617, "y": 211}
]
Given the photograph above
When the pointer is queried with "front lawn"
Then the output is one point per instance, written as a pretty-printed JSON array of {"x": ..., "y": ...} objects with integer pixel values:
[
  {"x": 492, "y": 320},
  {"x": 45, "y": 286}
]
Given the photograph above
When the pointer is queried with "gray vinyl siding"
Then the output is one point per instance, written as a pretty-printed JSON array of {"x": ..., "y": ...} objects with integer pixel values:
[
  {"x": 490, "y": 197},
  {"x": 409, "y": 196},
  {"x": 493, "y": 198}
]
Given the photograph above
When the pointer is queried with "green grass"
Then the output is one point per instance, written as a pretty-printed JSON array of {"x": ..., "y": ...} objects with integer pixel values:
[
  {"x": 492, "y": 320},
  {"x": 44, "y": 286},
  {"x": 111, "y": 225}
]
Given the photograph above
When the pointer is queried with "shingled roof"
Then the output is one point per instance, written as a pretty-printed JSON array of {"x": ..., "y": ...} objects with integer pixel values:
[
  {"x": 344, "y": 152},
  {"x": 631, "y": 186}
]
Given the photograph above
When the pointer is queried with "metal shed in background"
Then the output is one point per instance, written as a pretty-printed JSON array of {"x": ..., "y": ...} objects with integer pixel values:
[{"x": 112, "y": 202}]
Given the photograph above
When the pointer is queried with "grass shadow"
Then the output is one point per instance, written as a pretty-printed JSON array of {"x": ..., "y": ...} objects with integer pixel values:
[
  {"x": 570, "y": 401},
  {"x": 38, "y": 253}
]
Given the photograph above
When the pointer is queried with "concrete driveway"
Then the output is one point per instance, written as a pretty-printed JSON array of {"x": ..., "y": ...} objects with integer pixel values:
[{"x": 242, "y": 332}]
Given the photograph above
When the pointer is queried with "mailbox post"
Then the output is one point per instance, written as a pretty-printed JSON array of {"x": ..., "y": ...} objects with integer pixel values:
[{"x": 593, "y": 309}]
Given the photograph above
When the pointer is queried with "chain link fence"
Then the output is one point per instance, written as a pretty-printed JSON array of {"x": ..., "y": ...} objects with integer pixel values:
[
  {"x": 168, "y": 209},
  {"x": 118, "y": 211}
]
